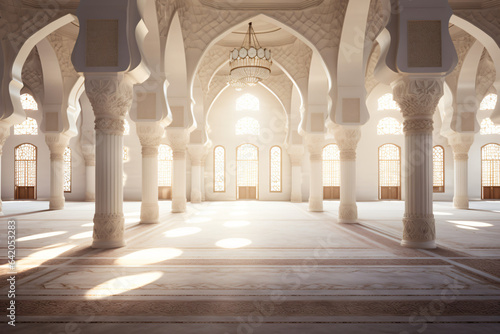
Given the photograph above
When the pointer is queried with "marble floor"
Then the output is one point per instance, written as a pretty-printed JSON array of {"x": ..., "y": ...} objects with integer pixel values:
[{"x": 253, "y": 267}]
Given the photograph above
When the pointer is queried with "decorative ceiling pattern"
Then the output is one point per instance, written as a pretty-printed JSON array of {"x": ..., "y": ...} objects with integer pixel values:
[{"x": 32, "y": 74}]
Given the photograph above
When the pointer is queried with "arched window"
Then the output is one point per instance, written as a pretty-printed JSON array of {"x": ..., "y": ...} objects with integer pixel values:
[
  {"x": 127, "y": 128},
  {"x": 28, "y": 102},
  {"x": 386, "y": 102},
  {"x": 125, "y": 153},
  {"x": 490, "y": 171},
  {"x": 331, "y": 172},
  {"x": 489, "y": 128},
  {"x": 165, "y": 162},
  {"x": 247, "y": 126},
  {"x": 219, "y": 169},
  {"x": 275, "y": 168},
  {"x": 438, "y": 169},
  {"x": 247, "y": 102},
  {"x": 247, "y": 171},
  {"x": 389, "y": 126},
  {"x": 489, "y": 102},
  {"x": 67, "y": 170},
  {"x": 25, "y": 158},
  {"x": 28, "y": 127},
  {"x": 389, "y": 171}
]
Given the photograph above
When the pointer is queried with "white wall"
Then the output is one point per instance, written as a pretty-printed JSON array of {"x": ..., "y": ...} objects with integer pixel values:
[{"x": 222, "y": 119}]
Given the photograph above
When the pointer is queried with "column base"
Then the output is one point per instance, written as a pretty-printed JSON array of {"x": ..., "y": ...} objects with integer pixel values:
[
  {"x": 103, "y": 244},
  {"x": 89, "y": 197},
  {"x": 419, "y": 244},
  {"x": 150, "y": 213},
  {"x": 108, "y": 230},
  {"x": 348, "y": 213},
  {"x": 461, "y": 202},
  {"x": 316, "y": 204},
  {"x": 178, "y": 204},
  {"x": 296, "y": 199},
  {"x": 195, "y": 196},
  {"x": 56, "y": 203}
]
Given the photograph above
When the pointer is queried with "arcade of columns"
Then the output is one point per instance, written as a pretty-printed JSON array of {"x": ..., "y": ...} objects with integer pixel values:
[{"x": 111, "y": 95}]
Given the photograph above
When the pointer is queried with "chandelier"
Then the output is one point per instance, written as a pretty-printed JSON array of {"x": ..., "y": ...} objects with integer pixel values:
[{"x": 250, "y": 63}]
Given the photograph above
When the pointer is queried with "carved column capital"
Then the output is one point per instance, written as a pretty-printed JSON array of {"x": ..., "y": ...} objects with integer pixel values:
[
  {"x": 178, "y": 139},
  {"x": 88, "y": 152},
  {"x": 461, "y": 143},
  {"x": 347, "y": 139},
  {"x": 418, "y": 99},
  {"x": 57, "y": 143},
  {"x": 315, "y": 143},
  {"x": 111, "y": 99}
]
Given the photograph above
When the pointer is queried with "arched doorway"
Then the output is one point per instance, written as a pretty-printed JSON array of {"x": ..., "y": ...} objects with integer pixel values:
[
  {"x": 25, "y": 163},
  {"x": 331, "y": 172},
  {"x": 247, "y": 172},
  {"x": 165, "y": 162},
  {"x": 490, "y": 171},
  {"x": 389, "y": 171}
]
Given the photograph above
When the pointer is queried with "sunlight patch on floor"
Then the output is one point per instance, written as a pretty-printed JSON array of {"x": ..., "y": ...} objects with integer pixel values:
[{"x": 123, "y": 284}]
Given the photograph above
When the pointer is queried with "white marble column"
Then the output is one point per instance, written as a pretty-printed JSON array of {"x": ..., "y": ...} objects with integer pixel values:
[
  {"x": 178, "y": 138},
  {"x": 90, "y": 180},
  {"x": 88, "y": 152},
  {"x": 111, "y": 99},
  {"x": 347, "y": 139},
  {"x": 57, "y": 143},
  {"x": 461, "y": 143},
  {"x": 315, "y": 147},
  {"x": 296, "y": 153},
  {"x": 196, "y": 152},
  {"x": 418, "y": 99},
  {"x": 4, "y": 134},
  {"x": 150, "y": 135}
]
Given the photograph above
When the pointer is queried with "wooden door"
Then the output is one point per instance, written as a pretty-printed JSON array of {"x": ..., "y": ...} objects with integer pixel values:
[
  {"x": 164, "y": 192},
  {"x": 247, "y": 192},
  {"x": 491, "y": 192},
  {"x": 331, "y": 192},
  {"x": 390, "y": 193}
]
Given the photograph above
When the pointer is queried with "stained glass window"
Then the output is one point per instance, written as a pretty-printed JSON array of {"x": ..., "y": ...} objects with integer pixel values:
[
  {"x": 389, "y": 159},
  {"x": 247, "y": 102},
  {"x": 389, "y": 126},
  {"x": 125, "y": 153},
  {"x": 331, "y": 166},
  {"x": 28, "y": 127},
  {"x": 67, "y": 170},
  {"x": 275, "y": 159},
  {"x": 438, "y": 168},
  {"x": 219, "y": 169},
  {"x": 247, "y": 126},
  {"x": 165, "y": 162},
  {"x": 386, "y": 102},
  {"x": 247, "y": 165},
  {"x": 490, "y": 165},
  {"x": 28, "y": 102},
  {"x": 489, "y": 102},
  {"x": 25, "y": 165},
  {"x": 489, "y": 128},
  {"x": 127, "y": 128}
]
